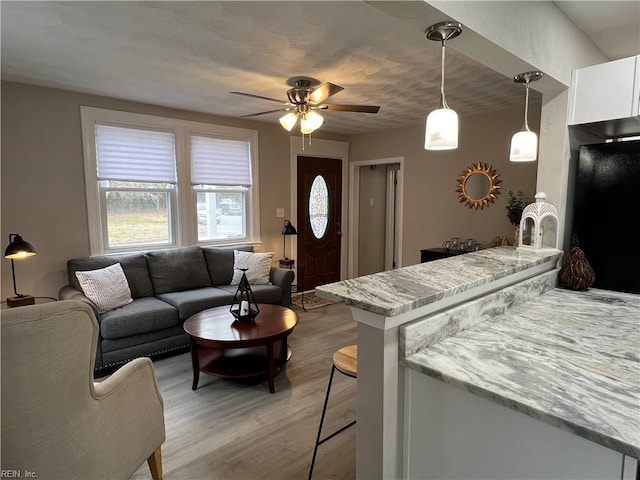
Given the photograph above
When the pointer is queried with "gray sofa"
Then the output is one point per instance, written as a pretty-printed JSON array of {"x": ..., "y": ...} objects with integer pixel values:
[{"x": 167, "y": 287}]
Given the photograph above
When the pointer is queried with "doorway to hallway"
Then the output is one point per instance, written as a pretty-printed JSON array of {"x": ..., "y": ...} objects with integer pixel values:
[{"x": 375, "y": 201}]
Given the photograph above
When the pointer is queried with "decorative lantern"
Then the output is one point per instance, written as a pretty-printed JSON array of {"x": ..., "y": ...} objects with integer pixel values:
[
  {"x": 244, "y": 306},
  {"x": 539, "y": 226}
]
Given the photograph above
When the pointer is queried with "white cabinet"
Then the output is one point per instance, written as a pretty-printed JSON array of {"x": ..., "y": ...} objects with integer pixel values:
[
  {"x": 450, "y": 433},
  {"x": 609, "y": 91}
]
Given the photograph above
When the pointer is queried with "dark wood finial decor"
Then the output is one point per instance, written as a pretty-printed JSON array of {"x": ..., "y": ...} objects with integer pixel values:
[{"x": 576, "y": 273}]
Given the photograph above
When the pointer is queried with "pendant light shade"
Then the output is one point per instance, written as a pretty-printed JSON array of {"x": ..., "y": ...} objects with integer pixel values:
[
  {"x": 524, "y": 144},
  {"x": 524, "y": 147},
  {"x": 441, "y": 130}
]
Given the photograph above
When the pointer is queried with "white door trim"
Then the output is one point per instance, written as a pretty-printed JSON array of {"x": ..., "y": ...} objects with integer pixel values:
[{"x": 326, "y": 149}]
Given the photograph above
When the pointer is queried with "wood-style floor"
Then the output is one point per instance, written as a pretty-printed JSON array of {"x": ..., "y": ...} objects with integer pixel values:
[{"x": 237, "y": 430}]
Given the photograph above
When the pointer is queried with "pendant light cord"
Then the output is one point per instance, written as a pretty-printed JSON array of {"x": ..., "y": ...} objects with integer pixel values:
[
  {"x": 526, "y": 107},
  {"x": 443, "y": 100}
]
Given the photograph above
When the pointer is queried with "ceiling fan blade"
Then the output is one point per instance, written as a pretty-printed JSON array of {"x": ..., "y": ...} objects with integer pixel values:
[
  {"x": 350, "y": 108},
  {"x": 260, "y": 96},
  {"x": 323, "y": 92},
  {"x": 265, "y": 113}
]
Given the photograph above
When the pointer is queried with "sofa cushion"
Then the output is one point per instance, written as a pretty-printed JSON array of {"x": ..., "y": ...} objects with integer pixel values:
[
  {"x": 134, "y": 267},
  {"x": 193, "y": 301},
  {"x": 262, "y": 293},
  {"x": 220, "y": 262},
  {"x": 143, "y": 340},
  {"x": 106, "y": 287},
  {"x": 256, "y": 266},
  {"x": 178, "y": 269},
  {"x": 143, "y": 315}
]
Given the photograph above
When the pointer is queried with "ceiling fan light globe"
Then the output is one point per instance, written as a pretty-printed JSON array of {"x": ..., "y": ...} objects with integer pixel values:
[
  {"x": 289, "y": 121},
  {"x": 441, "y": 131},
  {"x": 311, "y": 121},
  {"x": 524, "y": 147},
  {"x": 305, "y": 128}
]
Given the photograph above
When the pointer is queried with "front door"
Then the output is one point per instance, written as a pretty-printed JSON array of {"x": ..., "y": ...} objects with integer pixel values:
[{"x": 319, "y": 219}]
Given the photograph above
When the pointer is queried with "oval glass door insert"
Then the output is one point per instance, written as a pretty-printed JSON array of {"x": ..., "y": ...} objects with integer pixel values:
[{"x": 319, "y": 206}]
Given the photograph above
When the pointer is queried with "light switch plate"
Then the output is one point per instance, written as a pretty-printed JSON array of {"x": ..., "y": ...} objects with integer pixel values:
[{"x": 280, "y": 212}]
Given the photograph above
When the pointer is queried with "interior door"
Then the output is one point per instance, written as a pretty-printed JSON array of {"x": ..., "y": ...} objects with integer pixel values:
[{"x": 319, "y": 219}]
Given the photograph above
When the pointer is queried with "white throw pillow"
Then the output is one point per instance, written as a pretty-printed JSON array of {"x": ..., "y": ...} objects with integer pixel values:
[
  {"x": 258, "y": 267},
  {"x": 107, "y": 287}
]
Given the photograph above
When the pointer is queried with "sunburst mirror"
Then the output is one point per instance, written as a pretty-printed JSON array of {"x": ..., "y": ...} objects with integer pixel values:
[{"x": 478, "y": 185}]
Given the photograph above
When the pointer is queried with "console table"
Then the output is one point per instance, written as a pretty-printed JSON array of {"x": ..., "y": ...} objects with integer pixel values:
[{"x": 430, "y": 254}]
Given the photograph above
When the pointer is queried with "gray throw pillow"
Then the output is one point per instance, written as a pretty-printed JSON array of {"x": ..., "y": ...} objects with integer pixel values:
[{"x": 178, "y": 269}]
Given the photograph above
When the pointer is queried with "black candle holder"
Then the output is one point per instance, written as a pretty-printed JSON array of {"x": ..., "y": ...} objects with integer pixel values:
[{"x": 244, "y": 306}]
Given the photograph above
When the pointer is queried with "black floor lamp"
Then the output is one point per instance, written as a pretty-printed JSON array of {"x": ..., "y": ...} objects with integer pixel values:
[
  {"x": 17, "y": 250},
  {"x": 287, "y": 229}
]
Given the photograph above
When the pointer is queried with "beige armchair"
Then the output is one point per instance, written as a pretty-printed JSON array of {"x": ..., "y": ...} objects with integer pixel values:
[{"x": 56, "y": 421}]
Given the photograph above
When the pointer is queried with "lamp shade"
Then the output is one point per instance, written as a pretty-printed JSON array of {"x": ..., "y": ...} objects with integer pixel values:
[
  {"x": 524, "y": 147},
  {"x": 18, "y": 248},
  {"x": 289, "y": 229},
  {"x": 441, "y": 132},
  {"x": 289, "y": 121}
]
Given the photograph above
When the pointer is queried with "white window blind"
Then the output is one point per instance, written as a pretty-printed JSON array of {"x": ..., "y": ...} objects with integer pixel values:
[
  {"x": 216, "y": 161},
  {"x": 135, "y": 155}
]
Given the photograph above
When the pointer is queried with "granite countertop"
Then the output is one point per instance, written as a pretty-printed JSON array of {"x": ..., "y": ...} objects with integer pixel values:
[
  {"x": 397, "y": 291},
  {"x": 570, "y": 359}
]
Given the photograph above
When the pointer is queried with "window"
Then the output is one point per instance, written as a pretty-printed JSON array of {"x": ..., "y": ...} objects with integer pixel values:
[
  {"x": 221, "y": 177},
  {"x": 155, "y": 182},
  {"x": 136, "y": 181},
  {"x": 319, "y": 207}
]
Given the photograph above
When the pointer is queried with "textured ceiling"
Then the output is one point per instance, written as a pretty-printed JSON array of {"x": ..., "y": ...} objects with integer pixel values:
[{"x": 190, "y": 55}]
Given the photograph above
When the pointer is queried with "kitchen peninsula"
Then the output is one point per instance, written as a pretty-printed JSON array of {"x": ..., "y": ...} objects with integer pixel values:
[{"x": 459, "y": 355}]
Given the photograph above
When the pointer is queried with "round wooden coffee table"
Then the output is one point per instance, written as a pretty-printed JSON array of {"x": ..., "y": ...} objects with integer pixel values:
[{"x": 225, "y": 347}]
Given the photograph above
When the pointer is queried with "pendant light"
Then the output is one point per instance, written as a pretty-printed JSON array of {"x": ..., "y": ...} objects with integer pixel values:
[
  {"x": 441, "y": 131},
  {"x": 524, "y": 144}
]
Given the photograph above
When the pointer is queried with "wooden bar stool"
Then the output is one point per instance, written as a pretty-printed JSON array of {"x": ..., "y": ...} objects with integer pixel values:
[{"x": 345, "y": 361}]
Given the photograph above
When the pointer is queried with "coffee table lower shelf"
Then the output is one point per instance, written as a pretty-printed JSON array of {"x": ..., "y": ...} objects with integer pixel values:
[{"x": 240, "y": 362}]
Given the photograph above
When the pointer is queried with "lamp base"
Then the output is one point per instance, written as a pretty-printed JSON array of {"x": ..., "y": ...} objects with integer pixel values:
[
  {"x": 286, "y": 262},
  {"x": 20, "y": 301}
]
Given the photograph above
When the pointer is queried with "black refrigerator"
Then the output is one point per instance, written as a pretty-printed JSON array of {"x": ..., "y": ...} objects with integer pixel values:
[{"x": 606, "y": 216}]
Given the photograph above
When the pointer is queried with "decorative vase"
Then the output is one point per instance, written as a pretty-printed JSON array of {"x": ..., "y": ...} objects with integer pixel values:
[{"x": 576, "y": 273}]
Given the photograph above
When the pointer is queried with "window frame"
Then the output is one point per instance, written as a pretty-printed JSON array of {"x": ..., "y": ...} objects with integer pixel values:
[{"x": 184, "y": 206}]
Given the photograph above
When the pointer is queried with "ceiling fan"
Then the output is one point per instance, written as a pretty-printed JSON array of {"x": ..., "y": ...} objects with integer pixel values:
[{"x": 304, "y": 98}]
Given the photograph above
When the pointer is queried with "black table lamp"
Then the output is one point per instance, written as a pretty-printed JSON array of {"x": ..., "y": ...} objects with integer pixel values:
[
  {"x": 17, "y": 250},
  {"x": 288, "y": 229}
]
